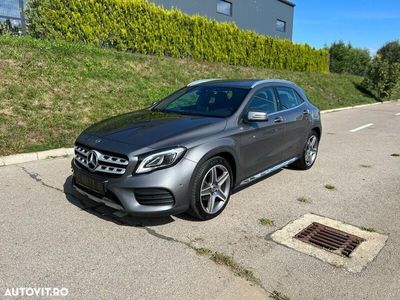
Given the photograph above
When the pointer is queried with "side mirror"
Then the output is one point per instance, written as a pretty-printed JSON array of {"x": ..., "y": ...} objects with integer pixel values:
[{"x": 257, "y": 116}]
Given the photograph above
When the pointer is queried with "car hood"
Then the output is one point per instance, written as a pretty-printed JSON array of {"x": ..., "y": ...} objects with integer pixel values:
[{"x": 153, "y": 129}]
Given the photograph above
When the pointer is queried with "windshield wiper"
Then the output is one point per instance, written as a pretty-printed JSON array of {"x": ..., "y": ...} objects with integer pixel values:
[
  {"x": 156, "y": 109},
  {"x": 188, "y": 113}
]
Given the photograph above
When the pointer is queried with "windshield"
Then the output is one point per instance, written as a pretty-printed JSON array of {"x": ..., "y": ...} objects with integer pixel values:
[{"x": 211, "y": 101}]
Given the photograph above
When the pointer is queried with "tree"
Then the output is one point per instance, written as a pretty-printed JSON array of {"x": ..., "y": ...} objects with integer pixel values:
[
  {"x": 348, "y": 59},
  {"x": 381, "y": 77},
  {"x": 390, "y": 52}
]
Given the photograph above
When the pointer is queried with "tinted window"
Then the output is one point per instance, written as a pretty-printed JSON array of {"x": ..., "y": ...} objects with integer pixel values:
[
  {"x": 204, "y": 100},
  {"x": 280, "y": 25},
  {"x": 263, "y": 100},
  {"x": 224, "y": 7},
  {"x": 299, "y": 98},
  {"x": 287, "y": 97}
]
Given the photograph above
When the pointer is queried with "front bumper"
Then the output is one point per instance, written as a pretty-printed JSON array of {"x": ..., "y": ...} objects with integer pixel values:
[{"x": 121, "y": 192}]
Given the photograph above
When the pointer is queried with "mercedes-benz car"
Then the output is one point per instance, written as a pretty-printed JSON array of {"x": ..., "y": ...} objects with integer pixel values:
[{"x": 191, "y": 150}]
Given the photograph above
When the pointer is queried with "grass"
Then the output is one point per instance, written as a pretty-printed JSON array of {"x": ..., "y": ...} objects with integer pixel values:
[
  {"x": 329, "y": 186},
  {"x": 228, "y": 261},
  {"x": 266, "y": 222},
  {"x": 369, "y": 229},
  {"x": 278, "y": 296},
  {"x": 236, "y": 268},
  {"x": 51, "y": 90},
  {"x": 202, "y": 251},
  {"x": 303, "y": 200}
]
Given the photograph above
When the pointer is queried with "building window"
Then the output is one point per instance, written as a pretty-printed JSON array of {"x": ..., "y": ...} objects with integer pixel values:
[
  {"x": 280, "y": 25},
  {"x": 224, "y": 7}
]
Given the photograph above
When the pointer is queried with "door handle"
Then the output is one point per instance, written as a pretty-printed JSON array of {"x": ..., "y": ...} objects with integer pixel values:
[
  {"x": 278, "y": 120},
  {"x": 306, "y": 112}
]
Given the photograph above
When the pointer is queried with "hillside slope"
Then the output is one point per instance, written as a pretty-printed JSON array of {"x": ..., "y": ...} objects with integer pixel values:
[{"x": 50, "y": 91}]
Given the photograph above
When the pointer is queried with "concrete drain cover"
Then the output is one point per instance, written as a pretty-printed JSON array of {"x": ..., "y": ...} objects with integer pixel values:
[{"x": 332, "y": 241}]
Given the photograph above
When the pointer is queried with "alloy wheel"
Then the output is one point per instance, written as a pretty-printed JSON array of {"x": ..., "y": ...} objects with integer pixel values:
[
  {"x": 215, "y": 189},
  {"x": 311, "y": 150}
]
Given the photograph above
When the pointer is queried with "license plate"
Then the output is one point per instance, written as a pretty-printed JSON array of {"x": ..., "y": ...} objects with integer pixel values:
[{"x": 90, "y": 183}]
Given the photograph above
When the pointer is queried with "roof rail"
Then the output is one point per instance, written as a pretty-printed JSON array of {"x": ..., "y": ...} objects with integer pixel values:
[
  {"x": 270, "y": 80},
  {"x": 201, "y": 81},
  {"x": 260, "y": 82}
]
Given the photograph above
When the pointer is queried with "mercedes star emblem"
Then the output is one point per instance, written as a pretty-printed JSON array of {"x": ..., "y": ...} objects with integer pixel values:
[{"x": 92, "y": 160}]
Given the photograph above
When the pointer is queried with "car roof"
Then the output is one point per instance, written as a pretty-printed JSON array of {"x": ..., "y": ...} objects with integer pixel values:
[{"x": 248, "y": 84}]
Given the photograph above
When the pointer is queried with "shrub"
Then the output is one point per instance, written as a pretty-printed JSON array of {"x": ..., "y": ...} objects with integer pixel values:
[
  {"x": 6, "y": 27},
  {"x": 347, "y": 59},
  {"x": 382, "y": 77},
  {"x": 138, "y": 26}
]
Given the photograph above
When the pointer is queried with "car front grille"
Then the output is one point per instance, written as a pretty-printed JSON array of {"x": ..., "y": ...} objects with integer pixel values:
[
  {"x": 153, "y": 196},
  {"x": 99, "y": 161}
]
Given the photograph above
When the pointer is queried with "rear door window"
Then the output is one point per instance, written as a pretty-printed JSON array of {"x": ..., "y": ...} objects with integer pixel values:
[{"x": 288, "y": 98}]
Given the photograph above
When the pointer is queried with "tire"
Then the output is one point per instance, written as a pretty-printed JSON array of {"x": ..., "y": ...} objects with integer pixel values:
[
  {"x": 310, "y": 152},
  {"x": 215, "y": 194}
]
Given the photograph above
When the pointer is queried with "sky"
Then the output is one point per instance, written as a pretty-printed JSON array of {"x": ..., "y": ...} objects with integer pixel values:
[{"x": 365, "y": 23}]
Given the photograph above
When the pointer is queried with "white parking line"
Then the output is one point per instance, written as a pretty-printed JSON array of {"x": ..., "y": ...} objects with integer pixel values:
[
  {"x": 398, "y": 114},
  {"x": 361, "y": 127}
]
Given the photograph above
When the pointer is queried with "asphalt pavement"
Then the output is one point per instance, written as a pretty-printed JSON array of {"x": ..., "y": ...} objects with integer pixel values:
[{"x": 52, "y": 237}]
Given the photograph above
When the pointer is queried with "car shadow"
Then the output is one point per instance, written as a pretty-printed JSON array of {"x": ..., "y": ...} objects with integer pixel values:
[{"x": 107, "y": 213}]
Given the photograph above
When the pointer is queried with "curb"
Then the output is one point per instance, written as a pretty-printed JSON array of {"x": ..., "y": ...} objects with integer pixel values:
[
  {"x": 356, "y": 106},
  {"x": 64, "y": 152},
  {"x": 33, "y": 156}
]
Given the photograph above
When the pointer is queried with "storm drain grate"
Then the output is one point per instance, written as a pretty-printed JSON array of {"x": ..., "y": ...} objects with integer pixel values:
[{"x": 329, "y": 238}]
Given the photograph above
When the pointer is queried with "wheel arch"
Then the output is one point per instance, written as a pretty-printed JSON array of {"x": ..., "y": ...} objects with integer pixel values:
[
  {"x": 317, "y": 131},
  {"x": 231, "y": 161},
  {"x": 225, "y": 152}
]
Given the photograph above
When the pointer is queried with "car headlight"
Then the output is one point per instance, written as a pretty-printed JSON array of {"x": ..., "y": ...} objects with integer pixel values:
[{"x": 162, "y": 159}]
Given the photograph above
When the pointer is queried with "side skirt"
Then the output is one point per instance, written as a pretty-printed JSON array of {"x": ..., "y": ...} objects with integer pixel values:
[{"x": 268, "y": 171}]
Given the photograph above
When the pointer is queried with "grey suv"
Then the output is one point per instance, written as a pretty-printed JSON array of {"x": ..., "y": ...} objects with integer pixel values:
[{"x": 189, "y": 151}]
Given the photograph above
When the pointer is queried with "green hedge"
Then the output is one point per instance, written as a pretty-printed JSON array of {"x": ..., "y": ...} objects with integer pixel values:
[{"x": 138, "y": 26}]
